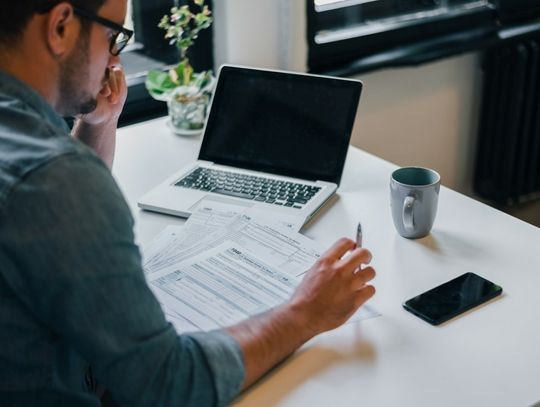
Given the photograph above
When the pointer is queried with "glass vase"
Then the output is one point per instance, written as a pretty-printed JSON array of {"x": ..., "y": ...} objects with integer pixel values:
[{"x": 188, "y": 106}]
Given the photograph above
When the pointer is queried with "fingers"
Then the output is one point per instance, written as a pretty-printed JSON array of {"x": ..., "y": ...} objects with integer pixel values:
[
  {"x": 105, "y": 91},
  {"x": 357, "y": 257},
  {"x": 361, "y": 277},
  {"x": 120, "y": 77},
  {"x": 336, "y": 286},
  {"x": 346, "y": 257},
  {"x": 114, "y": 84},
  {"x": 117, "y": 84},
  {"x": 113, "y": 81},
  {"x": 338, "y": 250},
  {"x": 364, "y": 294}
]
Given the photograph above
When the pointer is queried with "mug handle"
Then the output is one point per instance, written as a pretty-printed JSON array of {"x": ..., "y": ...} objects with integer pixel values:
[{"x": 408, "y": 219}]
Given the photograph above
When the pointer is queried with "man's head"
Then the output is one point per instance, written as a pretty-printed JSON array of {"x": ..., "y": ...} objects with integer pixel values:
[
  {"x": 64, "y": 39},
  {"x": 15, "y": 15}
]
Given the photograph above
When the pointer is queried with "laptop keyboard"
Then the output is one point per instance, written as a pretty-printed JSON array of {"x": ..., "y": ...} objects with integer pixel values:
[{"x": 251, "y": 187}]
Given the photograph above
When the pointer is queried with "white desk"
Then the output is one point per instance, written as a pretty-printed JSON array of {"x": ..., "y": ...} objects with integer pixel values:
[{"x": 488, "y": 357}]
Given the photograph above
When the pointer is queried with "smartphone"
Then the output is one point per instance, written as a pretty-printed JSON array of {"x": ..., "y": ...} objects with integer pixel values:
[{"x": 452, "y": 298}]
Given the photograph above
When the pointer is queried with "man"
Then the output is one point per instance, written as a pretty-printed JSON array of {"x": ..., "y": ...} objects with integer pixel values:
[{"x": 75, "y": 310}]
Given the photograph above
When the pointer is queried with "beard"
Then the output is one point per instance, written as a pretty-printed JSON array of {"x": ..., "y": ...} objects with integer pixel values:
[{"x": 74, "y": 76}]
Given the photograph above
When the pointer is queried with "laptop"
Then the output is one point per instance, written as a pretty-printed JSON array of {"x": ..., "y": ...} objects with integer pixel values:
[{"x": 274, "y": 140}]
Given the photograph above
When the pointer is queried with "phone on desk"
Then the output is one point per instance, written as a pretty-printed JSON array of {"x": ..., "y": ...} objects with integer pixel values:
[{"x": 452, "y": 298}]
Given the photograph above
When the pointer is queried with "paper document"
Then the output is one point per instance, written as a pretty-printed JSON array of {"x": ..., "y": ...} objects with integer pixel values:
[
  {"x": 218, "y": 269},
  {"x": 223, "y": 286},
  {"x": 178, "y": 242},
  {"x": 214, "y": 211}
]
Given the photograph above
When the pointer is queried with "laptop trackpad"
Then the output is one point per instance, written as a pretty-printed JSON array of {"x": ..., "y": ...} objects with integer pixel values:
[{"x": 223, "y": 200}]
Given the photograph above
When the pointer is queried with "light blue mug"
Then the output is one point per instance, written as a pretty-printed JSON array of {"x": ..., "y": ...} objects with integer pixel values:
[{"x": 414, "y": 196}]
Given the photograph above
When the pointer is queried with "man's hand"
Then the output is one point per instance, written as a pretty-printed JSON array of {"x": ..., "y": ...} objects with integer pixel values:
[
  {"x": 331, "y": 291},
  {"x": 98, "y": 128},
  {"x": 334, "y": 288},
  {"x": 110, "y": 100}
]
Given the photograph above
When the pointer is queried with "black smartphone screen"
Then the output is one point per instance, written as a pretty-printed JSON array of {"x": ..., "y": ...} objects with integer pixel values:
[{"x": 452, "y": 298}]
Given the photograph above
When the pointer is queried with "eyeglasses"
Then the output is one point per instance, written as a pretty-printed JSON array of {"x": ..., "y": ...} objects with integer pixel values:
[{"x": 118, "y": 40}]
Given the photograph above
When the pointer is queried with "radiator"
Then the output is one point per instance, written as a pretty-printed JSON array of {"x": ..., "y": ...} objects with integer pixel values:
[{"x": 507, "y": 169}]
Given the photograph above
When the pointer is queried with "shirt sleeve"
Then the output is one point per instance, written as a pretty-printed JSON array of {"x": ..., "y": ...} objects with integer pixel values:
[{"x": 75, "y": 265}]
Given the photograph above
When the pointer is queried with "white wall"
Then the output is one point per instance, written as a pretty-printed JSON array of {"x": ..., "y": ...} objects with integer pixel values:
[
  {"x": 424, "y": 115},
  {"x": 263, "y": 33}
]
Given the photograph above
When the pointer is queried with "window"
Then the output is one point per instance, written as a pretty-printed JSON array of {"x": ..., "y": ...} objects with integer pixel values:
[
  {"x": 149, "y": 50},
  {"x": 343, "y": 19},
  {"x": 341, "y": 31}
]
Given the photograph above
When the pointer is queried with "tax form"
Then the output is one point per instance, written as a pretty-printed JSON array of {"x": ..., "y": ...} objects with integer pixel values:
[
  {"x": 176, "y": 243},
  {"x": 235, "y": 269},
  {"x": 223, "y": 286}
]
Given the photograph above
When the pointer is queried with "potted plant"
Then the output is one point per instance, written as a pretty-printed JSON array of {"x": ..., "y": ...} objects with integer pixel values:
[{"x": 186, "y": 92}]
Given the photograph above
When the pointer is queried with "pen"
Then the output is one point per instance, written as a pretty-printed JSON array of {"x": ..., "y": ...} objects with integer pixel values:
[{"x": 359, "y": 235}]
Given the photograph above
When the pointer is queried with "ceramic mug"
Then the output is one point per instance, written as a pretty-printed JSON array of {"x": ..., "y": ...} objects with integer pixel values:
[{"x": 414, "y": 195}]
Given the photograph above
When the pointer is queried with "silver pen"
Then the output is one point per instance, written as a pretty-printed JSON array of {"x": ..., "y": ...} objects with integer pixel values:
[{"x": 359, "y": 235}]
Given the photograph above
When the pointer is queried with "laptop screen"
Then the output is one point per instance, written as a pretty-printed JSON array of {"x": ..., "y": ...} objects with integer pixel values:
[{"x": 295, "y": 125}]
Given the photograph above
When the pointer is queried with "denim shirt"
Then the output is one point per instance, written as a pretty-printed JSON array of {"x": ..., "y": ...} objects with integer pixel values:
[{"x": 74, "y": 304}]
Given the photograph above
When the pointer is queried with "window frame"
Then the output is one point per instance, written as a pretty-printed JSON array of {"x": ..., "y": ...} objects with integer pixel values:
[{"x": 405, "y": 44}]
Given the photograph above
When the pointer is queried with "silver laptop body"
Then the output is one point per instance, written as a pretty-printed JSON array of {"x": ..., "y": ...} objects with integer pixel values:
[{"x": 274, "y": 140}]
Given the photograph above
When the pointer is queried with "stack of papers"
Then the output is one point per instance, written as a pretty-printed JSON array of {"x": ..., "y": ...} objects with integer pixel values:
[{"x": 227, "y": 264}]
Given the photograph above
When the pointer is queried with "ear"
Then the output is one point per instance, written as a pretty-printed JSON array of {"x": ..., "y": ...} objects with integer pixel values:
[{"x": 62, "y": 29}]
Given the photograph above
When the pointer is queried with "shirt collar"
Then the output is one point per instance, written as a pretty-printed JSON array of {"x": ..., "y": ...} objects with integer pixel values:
[{"x": 10, "y": 85}]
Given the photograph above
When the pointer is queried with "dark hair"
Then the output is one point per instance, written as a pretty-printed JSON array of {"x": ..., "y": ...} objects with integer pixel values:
[{"x": 15, "y": 14}]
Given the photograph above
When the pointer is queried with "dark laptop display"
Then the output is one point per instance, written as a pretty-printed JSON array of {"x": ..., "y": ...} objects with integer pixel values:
[{"x": 282, "y": 123}]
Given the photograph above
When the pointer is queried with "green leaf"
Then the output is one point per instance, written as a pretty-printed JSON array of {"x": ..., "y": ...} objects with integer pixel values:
[
  {"x": 180, "y": 71},
  {"x": 159, "y": 83},
  {"x": 182, "y": 26}
]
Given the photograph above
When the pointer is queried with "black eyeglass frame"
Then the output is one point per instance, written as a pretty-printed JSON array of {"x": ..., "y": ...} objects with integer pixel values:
[{"x": 115, "y": 47}]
